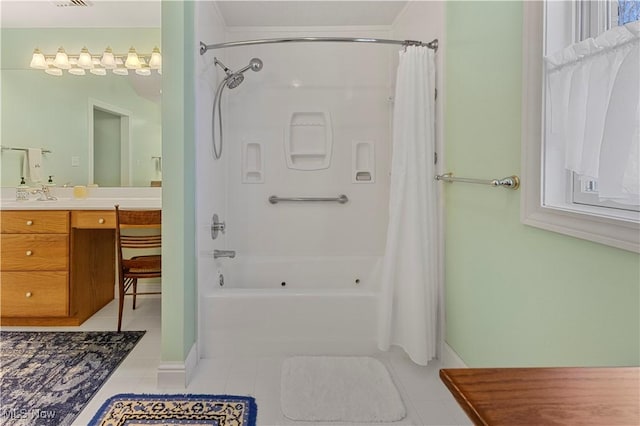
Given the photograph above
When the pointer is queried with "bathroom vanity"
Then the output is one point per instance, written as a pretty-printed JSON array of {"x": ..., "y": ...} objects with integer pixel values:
[{"x": 58, "y": 259}]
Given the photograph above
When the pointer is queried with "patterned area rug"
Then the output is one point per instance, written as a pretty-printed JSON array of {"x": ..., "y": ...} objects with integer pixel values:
[
  {"x": 200, "y": 410},
  {"x": 47, "y": 378}
]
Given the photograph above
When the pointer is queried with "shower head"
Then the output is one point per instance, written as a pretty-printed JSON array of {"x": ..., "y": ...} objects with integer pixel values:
[{"x": 234, "y": 80}]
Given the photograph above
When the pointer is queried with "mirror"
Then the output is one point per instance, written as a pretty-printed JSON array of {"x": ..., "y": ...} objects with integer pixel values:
[{"x": 105, "y": 130}]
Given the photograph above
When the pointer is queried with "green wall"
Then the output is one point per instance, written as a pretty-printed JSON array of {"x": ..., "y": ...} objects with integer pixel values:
[
  {"x": 178, "y": 193},
  {"x": 40, "y": 110},
  {"x": 517, "y": 295}
]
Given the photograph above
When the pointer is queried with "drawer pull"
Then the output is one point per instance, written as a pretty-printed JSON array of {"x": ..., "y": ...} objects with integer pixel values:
[
  {"x": 101, "y": 221},
  {"x": 28, "y": 294},
  {"x": 29, "y": 222},
  {"x": 29, "y": 252}
]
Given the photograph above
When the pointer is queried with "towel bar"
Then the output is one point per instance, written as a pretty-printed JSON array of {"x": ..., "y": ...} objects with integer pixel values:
[{"x": 511, "y": 182}]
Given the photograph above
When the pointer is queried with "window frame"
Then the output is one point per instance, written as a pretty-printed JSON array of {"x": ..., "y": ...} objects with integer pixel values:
[{"x": 613, "y": 232}]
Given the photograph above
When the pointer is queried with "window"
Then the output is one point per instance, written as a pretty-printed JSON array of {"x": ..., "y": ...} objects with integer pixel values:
[{"x": 577, "y": 180}]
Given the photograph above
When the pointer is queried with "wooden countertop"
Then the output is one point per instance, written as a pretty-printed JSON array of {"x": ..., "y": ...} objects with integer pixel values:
[{"x": 547, "y": 396}]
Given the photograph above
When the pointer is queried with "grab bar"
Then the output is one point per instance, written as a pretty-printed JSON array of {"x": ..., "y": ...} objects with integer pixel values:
[
  {"x": 511, "y": 182},
  {"x": 339, "y": 199}
]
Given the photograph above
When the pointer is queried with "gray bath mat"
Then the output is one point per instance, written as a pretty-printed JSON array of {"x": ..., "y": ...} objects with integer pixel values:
[{"x": 339, "y": 389}]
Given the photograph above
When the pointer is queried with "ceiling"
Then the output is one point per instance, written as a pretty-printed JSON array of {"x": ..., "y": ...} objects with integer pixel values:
[
  {"x": 146, "y": 13},
  {"x": 309, "y": 13},
  {"x": 61, "y": 14}
]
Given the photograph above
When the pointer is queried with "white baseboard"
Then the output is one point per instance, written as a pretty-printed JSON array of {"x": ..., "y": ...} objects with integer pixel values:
[
  {"x": 178, "y": 374},
  {"x": 450, "y": 359}
]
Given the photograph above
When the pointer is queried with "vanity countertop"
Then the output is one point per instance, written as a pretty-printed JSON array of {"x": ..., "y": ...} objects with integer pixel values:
[{"x": 98, "y": 199}]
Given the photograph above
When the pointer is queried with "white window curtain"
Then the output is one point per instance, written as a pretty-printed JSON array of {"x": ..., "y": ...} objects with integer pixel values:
[{"x": 593, "y": 110}]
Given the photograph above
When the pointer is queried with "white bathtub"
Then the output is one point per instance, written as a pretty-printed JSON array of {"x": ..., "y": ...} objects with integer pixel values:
[{"x": 327, "y": 305}]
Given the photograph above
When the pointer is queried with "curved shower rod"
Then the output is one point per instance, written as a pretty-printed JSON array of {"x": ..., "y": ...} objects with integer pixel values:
[{"x": 433, "y": 44}]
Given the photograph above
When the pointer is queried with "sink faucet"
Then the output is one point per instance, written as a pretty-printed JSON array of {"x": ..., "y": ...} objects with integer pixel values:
[
  {"x": 224, "y": 253},
  {"x": 43, "y": 194}
]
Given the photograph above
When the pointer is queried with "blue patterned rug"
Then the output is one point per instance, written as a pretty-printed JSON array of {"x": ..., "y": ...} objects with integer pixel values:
[
  {"x": 47, "y": 378},
  {"x": 200, "y": 410}
]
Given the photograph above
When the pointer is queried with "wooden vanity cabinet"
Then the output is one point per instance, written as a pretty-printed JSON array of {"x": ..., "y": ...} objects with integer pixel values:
[{"x": 52, "y": 273}]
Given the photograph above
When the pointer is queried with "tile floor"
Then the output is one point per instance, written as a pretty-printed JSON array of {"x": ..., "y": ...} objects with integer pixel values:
[{"x": 427, "y": 400}]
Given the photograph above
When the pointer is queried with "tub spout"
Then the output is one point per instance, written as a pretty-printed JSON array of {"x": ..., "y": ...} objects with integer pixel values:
[{"x": 224, "y": 253}]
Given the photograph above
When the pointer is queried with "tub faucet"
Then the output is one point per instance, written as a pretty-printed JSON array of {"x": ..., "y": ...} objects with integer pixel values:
[{"x": 224, "y": 253}]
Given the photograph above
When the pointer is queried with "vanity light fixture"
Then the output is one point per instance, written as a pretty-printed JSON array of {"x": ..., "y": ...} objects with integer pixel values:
[
  {"x": 38, "y": 60},
  {"x": 118, "y": 63},
  {"x": 54, "y": 71},
  {"x": 62, "y": 60},
  {"x": 133, "y": 62},
  {"x": 108, "y": 61},
  {"x": 155, "y": 62},
  {"x": 120, "y": 69},
  {"x": 84, "y": 60}
]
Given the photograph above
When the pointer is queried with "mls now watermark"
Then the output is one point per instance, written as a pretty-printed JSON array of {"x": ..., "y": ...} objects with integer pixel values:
[{"x": 26, "y": 414}]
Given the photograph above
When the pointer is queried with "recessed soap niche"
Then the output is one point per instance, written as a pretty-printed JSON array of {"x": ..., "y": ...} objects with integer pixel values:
[
  {"x": 252, "y": 162},
  {"x": 363, "y": 162},
  {"x": 308, "y": 140}
]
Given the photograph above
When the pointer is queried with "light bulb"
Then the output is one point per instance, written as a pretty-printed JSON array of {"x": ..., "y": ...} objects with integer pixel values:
[
  {"x": 38, "y": 61},
  {"x": 62, "y": 60},
  {"x": 132, "y": 59},
  {"x": 108, "y": 61},
  {"x": 156, "y": 59},
  {"x": 84, "y": 60}
]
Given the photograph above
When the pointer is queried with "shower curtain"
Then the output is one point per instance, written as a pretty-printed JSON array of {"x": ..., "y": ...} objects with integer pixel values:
[{"x": 410, "y": 290}]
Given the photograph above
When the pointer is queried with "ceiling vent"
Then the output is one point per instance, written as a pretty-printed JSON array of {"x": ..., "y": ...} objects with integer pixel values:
[{"x": 71, "y": 3}]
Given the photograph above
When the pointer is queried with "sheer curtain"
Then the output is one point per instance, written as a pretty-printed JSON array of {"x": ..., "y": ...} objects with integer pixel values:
[
  {"x": 410, "y": 290},
  {"x": 593, "y": 94}
]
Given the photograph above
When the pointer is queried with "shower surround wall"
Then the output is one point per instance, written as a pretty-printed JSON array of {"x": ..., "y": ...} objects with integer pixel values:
[
  {"x": 338, "y": 246},
  {"x": 351, "y": 82}
]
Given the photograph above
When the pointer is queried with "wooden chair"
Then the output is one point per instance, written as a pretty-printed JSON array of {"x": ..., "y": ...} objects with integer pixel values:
[{"x": 132, "y": 268}]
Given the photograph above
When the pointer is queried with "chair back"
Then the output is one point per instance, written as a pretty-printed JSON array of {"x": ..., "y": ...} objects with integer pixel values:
[{"x": 139, "y": 219}]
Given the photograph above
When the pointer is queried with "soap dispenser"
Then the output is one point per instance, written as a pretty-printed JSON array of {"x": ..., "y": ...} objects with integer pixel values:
[
  {"x": 22, "y": 190},
  {"x": 50, "y": 185}
]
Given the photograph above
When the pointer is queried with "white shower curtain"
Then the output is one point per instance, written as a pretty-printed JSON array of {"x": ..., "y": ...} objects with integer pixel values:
[{"x": 410, "y": 290}]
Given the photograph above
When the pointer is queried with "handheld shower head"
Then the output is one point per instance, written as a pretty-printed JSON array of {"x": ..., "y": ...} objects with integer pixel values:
[{"x": 234, "y": 80}]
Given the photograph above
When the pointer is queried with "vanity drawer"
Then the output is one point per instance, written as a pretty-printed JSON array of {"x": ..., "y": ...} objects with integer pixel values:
[
  {"x": 94, "y": 219},
  {"x": 34, "y": 294},
  {"x": 24, "y": 252},
  {"x": 34, "y": 222}
]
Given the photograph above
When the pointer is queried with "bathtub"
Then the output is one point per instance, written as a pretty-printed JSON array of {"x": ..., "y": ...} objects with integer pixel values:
[{"x": 272, "y": 305}]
